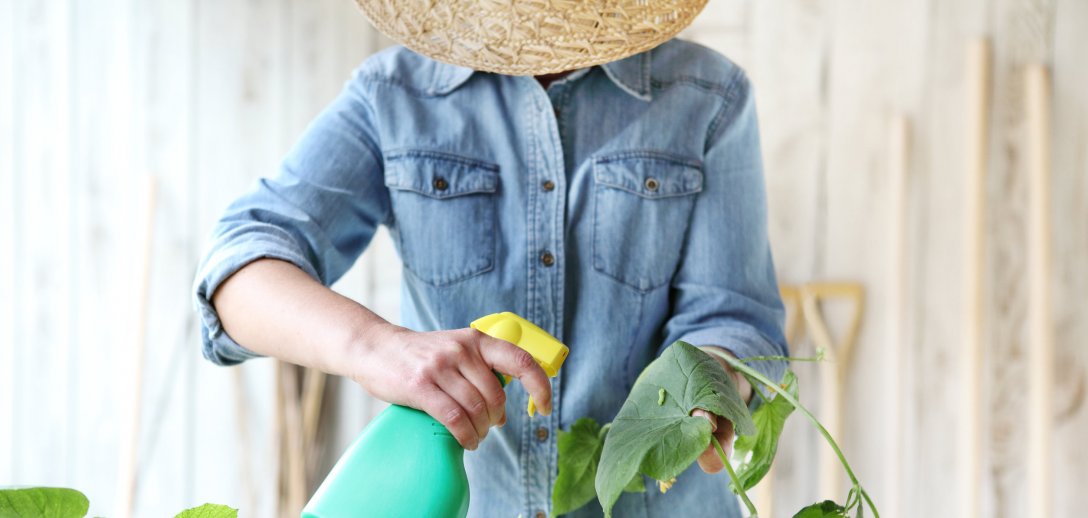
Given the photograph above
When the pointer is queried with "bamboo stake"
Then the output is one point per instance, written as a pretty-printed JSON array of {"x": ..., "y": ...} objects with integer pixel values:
[
  {"x": 130, "y": 444},
  {"x": 1040, "y": 328},
  {"x": 840, "y": 354},
  {"x": 897, "y": 357},
  {"x": 970, "y": 438}
]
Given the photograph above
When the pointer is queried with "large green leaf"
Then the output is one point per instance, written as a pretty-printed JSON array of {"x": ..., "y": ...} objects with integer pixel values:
[
  {"x": 579, "y": 453},
  {"x": 34, "y": 502},
  {"x": 825, "y": 509},
  {"x": 658, "y": 436},
  {"x": 757, "y": 451},
  {"x": 209, "y": 511}
]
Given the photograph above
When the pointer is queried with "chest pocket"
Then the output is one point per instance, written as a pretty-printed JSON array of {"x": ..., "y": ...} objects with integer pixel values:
[
  {"x": 444, "y": 214},
  {"x": 642, "y": 207}
]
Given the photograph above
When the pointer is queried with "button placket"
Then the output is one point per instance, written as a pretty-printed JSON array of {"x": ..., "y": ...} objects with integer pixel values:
[{"x": 545, "y": 281}]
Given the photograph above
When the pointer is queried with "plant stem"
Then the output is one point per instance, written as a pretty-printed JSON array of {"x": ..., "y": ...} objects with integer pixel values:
[
  {"x": 752, "y": 373},
  {"x": 753, "y": 513},
  {"x": 813, "y": 359}
]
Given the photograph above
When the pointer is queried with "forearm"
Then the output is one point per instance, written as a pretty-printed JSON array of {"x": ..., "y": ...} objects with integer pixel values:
[{"x": 273, "y": 308}]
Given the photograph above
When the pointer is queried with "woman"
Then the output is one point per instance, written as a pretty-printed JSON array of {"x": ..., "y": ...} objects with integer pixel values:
[{"x": 567, "y": 161}]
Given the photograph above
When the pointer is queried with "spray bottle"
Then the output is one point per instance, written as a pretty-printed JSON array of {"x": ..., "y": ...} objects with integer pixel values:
[{"x": 405, "y": 463}]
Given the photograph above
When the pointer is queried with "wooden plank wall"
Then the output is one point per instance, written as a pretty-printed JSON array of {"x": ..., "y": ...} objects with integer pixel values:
[
  {"x": 829, "y": 76},
  {"x": 7, "y": 239},
  {"x": 206, "y": 95}
]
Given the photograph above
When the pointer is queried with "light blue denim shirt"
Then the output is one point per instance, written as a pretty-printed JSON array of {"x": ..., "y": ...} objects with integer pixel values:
[{"x": 620, "y": 209}]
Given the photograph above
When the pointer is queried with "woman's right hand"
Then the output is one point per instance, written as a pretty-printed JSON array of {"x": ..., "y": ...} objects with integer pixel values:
[{"x": 449, "y": 375}]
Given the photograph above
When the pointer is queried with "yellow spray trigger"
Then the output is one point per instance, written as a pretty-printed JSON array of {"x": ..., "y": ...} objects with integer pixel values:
[{"x": 548, "y": 352}]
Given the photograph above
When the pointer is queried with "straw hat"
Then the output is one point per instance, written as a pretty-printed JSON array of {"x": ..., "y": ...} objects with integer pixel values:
[{"x": 530, "y": 37}]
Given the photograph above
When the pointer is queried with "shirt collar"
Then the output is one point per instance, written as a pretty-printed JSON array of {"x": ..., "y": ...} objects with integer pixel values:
[{"x": 630, "y": 74}]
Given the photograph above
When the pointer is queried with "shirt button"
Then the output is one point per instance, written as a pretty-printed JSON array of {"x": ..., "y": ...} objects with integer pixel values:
[
  {"x": 547, "y": 259},
  {"x": 540, "y": 514},
  {"x": 548, "y": 186},
  {"x": 541, "y": 434},
  {"x": 652, "y": 184},
  {"x": 441, "y": 184}
]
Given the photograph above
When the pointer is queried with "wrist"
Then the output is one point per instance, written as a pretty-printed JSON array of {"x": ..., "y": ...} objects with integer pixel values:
[{"x": 364, "y": 340}]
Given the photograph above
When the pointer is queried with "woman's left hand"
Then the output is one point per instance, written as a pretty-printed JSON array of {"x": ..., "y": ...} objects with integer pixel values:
[{"x": 721, "y": 428}]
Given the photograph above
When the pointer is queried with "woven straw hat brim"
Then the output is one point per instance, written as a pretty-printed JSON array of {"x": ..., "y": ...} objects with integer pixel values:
[{"x": 530, "y": 37}]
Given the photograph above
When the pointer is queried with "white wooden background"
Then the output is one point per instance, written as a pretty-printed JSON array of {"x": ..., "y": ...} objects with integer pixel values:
[{"x": 206, "y": 95}]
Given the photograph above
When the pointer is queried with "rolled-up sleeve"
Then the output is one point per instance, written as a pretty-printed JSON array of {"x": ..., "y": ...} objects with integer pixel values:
[
  {"x": 725, "y": 292},
  {"x": 318, "y": 212}
]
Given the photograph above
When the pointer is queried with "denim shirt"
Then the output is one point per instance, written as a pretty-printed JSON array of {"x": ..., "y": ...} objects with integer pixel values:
[{"x": 620, "y": 209}]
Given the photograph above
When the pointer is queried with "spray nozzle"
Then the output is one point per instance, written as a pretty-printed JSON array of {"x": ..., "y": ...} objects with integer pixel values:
[{"x": 548, "y": 352}]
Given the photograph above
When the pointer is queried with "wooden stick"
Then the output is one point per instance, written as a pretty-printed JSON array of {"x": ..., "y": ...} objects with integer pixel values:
[
  {"x": 1040, "y": 323},
  {"x": 280, "y": 441},
  {"x": 130, "y": 444},
  {"x": 313, "y": 393},
  {"x": 791, "y": 299},
  {"x": 243, "y": 414},
  {"x": 293, "y": 469},
  {"x": 832, "y": 385},
  {"x": 970, "y": 438},
  {"x": 897, "y": 356}
]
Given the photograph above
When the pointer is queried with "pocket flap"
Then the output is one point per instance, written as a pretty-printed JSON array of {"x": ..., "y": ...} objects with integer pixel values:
[
  {"x": 439, "y": 175},
  {"x": 650, "y": 175}
]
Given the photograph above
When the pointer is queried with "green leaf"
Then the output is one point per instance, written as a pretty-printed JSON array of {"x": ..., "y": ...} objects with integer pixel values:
[
  {"x": 54, "y": 502},
  {"x": 579, "y": 451},
  {"x": 756, "y": 452},
  {"x": 662, "y": 440},
  {"x": 209, "y": 511},
  {"x": 825, "y": 509}
]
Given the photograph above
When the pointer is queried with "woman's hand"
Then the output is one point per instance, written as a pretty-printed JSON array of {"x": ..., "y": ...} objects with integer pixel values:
[
  {"x": 450, "y": 376},
  {"x": 722, "y": 428}
]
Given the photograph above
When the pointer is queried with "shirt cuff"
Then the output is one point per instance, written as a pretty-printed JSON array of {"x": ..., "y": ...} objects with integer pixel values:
[
  {"x": 217, "y": 346},
  {"x": 743, "y": 344}
]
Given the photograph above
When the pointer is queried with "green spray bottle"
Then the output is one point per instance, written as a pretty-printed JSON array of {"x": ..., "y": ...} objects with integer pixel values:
[{"x": 405, "y": 463}]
